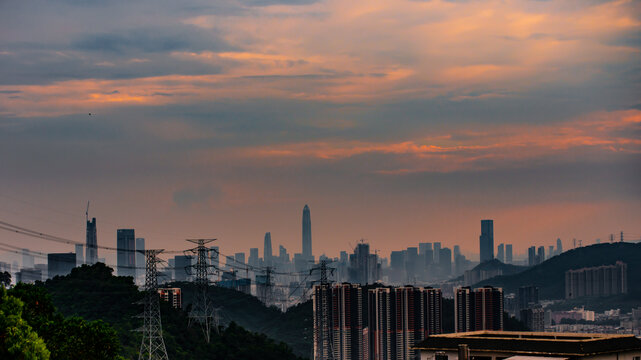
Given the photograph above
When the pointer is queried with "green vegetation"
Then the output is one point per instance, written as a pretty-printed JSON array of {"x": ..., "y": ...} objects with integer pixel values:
[
  {"x": 294, "y": 327},
  {"x": 550, "y": 275},
  {"x": 35, "y": 330},
  {"x": 18, "y": 340},
  {"x": 92, "y": 293}
]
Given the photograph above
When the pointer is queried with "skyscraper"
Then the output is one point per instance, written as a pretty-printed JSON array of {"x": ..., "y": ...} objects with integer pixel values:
[
  {"x": 399, "y": 318},
  {"x": 80, "y": 256},
  {"x": 253, "y": 257},
  {"x": 92, "y": 243},
  {"x": 339, "y": 335},
  {"x": 463, "y": 305},
  {"x": 267, "y": 252},
  {"x": 540, "y": 256},
  {"x": 182, "y": 267},
  {"x": 214, "y": 257},
  {"x": 528, "y": 296},
  {"x": 489, "y": 308},
  {"x": 559, "y": 246},
  {"x": 361, "y": 265},
  {"x": 283, "y": 256},
  {"x": 140, "y": 259},
  {"x": 500, "y": 253},
  {"x": 445, "y": 265},
  {"x": 531, "y": 256},
  {"x": 60, "y": 264},
  {"x": 437, "y": 252},
  {"x": 411, "y": 263},
  {"x": 125, "y": 252},
  {"x": 481, "y": 309},
  {"x": 486, "y": 240},
  {"x": 239, "y": 258},
  {"x": 307, "y": 233},
  {"x": 508, "y": 253},
  {"x": 27, "y": 259},
  {"x": 457, "y": 251}
]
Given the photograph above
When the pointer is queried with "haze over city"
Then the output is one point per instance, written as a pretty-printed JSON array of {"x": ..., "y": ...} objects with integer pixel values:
[
  {"x": 397, "y": 122},
  {"x": 320, "y": 180}
]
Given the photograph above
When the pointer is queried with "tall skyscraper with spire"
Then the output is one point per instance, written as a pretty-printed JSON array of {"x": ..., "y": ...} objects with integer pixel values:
[{"x": 307, "y": 233}]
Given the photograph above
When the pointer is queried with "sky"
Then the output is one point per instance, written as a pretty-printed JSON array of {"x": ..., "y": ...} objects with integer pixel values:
[{"x": 398, "y": 122}]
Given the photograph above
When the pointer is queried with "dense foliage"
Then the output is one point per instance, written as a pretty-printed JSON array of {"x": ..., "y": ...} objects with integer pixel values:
[
  {"x": 65, "y": 338},
  {"x": 93, "y": 293},
  {"x": 293, "y": 327},
  {"x": 18, "y": 340}
]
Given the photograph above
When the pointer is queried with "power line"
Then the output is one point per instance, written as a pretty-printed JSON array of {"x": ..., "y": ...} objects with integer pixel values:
[{"x": 40, "y": 235}]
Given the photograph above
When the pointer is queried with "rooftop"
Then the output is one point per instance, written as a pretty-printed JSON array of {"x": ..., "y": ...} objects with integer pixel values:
[{"x": 533, "y": 343}]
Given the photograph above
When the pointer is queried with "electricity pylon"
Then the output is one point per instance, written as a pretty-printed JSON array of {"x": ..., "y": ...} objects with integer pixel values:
[
  {"x": 202, "y": 311},
  {"x": 153, "y": 345},
  {"x": 326, "y": 350}
]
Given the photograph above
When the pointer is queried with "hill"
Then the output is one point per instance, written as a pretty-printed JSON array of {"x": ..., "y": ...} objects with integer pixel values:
[
  {"x": 549, "y": 276},
  {"x": 496, "y": 264},
  {"x": 93, "y": 293},
  {"x": 294, "y": 327}
]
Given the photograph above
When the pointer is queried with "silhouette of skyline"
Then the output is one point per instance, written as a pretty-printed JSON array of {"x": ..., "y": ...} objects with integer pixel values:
[{"x": 222, "y": 120}]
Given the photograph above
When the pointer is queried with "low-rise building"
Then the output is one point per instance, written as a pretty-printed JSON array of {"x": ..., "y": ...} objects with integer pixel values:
[
  {"x": 515, "y": 345},
  {"x": 172, "y": 296}
]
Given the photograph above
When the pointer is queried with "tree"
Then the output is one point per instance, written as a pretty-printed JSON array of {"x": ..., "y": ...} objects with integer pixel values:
[
  {"x": 5, "y": 278},
  {"x": 69, "y": 339},
  {"x": 77, "y": 339},
  {"x": 17, "y": 338}
]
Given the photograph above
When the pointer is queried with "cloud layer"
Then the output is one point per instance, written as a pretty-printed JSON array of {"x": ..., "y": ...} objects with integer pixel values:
[{"x": 229, "y": 116}]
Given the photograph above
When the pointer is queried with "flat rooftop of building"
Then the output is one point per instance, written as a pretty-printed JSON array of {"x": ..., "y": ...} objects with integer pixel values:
[{"x": 533, "y": 343}]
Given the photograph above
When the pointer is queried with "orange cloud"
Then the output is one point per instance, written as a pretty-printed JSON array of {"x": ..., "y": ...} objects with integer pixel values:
[
  {"x": 501, "y": 145},
  {"x": 373, "y": 50}
]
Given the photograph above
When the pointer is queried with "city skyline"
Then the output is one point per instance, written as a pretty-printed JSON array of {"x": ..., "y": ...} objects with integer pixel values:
[
  {"x": 222, "y": 120},
  {"x": 472, "y": 168},
  {"x": 523, "y": 256}
]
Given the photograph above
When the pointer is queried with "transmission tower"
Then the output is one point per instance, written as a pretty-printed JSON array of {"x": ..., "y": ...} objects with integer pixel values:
[
  {"x": 201, "y": 311},
  {"x": 153, "y": 345},
  {"x": 266, "y": 296},
  {"x": 327, "y": 348}
]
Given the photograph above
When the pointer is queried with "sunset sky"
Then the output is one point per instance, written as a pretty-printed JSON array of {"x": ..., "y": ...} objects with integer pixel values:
[{"x": 397, "y": 121}]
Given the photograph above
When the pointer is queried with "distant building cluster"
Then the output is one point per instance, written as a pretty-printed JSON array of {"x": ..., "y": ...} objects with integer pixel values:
[
  {"x": 599, "y": 281},
  {"x": 530, "y": 312}
]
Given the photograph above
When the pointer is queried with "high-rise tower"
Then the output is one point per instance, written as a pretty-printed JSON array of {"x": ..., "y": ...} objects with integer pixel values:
[
  {"x": 307, "y": 233},
  {"x": 126, "y": 252},
  {"x": 267, "y": 253},
  {"x": 486, "y": 240},
  {"x": 92, "y": 242}
]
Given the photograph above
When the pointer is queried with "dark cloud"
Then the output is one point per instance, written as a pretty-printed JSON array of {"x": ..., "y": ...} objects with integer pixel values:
[
  {"x": 42, "y": 67},
  {"x": 152, "y": 40},
  {"x": 276, "y": 2}
]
